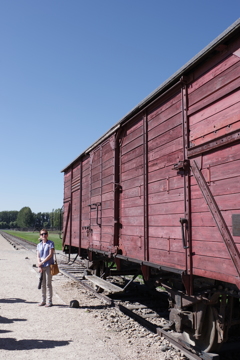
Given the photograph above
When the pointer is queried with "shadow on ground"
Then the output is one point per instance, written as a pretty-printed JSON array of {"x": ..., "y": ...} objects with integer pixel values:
[
  {"x": 4, "y": 320},
  {"x": 30, "y": 344},
  {"x": 15, "y": 300}
]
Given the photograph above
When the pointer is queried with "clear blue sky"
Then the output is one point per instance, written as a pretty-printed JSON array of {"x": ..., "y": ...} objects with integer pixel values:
[{"x": 71, "y": 69}]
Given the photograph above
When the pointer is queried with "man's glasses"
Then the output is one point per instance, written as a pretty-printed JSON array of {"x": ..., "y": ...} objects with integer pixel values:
[{"x": 43, "y": 234}]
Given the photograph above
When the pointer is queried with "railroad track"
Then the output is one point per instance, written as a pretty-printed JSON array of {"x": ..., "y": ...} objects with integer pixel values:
[
  {"x": 139, "y": 311},
  {"x": 142, "y": 308}
]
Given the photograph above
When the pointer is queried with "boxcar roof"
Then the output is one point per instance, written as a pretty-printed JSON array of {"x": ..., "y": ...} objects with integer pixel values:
[{"x": 230, "y": 31}]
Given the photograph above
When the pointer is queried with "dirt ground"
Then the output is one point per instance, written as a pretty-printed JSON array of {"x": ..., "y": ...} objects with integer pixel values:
[{"x": 93, "y": 331}]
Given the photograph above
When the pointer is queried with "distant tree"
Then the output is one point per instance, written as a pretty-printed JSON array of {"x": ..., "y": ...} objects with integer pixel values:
[
  {"x": 41, "y": 220},
  {"x": 12, "y": 216},
  {"x": 46, "y": 220},
  {"x": 13, "y": 225},
  {"x": 8, "y": 216},
  {"x": 4, "y": 216},
  {"x": 46, "y": 225},
  {"x": 25, "y": 217},
  {"x": 3, "y": 225},
  {"x": 57, "y": 219},
  {"x": 38, "y": 222}
]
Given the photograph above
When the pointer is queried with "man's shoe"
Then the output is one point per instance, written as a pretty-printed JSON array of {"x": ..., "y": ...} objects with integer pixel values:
[
  {"x": 48, "y": 305},
  {"x": 42, "y": 303}
]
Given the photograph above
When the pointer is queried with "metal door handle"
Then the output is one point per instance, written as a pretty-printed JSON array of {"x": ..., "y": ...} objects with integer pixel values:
[{"x": 182, "y": 222}]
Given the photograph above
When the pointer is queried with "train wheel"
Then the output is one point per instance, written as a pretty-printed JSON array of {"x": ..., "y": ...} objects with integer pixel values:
[{"x": 207, "y": 342}]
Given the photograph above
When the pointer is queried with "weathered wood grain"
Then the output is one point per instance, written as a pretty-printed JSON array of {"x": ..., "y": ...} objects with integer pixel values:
[
  {"x": 214, "y": 123},
  {"x": 133, "y": 135},
  {"x": 132, "y": 220},
  {"x": 167, "y": 208},
  {"x": 164, "y": 220},
  {"x": 166, "y": 197},
  {"x": 165, "y": 160},
  {"x": 174, "y": 146},
  {"x": 132, "y": 202},
  {"x": 165, "y": 231},
  {"x": 210, "y": 248},
  {"x": 222, "y": 156},
  {"x": 167, "y": 184},
  {"x": 132, "y": 145},
  {"x": 163, "y": 104},
  {"x": 164, "y": 114},
  {"x": 213, "y": 72},
  {"x": 165, "y": 137},
  {"x": 175, "y": 260},
  {"x": 170, "y": 245},
  {"x": 138, "y": 152},
  {"x": 219, "y": 81},
  {"x": 211, "y": 264},
  {"x": 162, "y": 173},
  {"x": 215, "y": 108},
  {"x": 214, "y": 94}
]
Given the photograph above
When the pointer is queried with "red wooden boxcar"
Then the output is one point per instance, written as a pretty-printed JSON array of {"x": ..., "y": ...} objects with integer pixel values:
[{"x": 161, "y": 190}]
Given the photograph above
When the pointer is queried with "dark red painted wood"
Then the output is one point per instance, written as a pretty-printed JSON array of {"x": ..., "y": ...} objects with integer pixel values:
[
  {"x": 212, "y": 73},
  {"x": 215, "y": 84},
  {"x": 152, "y": 193},
  {"x": 162, "y": 105}
]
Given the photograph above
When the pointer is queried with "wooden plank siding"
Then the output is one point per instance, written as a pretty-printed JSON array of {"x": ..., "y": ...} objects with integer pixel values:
[
  {"x": 131, "y": 237},
  {"x": 76, "y": 180},
  {"x": 67, "y": 204},
  {"x": 85, "y": 236},
  {"x": 214, "y": 106},
  {"x": 165, "y": 187},
  {"x": 214, "y": 111},
  {"x": 102, "y": 194}
]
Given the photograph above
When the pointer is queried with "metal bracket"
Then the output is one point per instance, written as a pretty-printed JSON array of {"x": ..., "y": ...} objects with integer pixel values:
[
  {"x": 182, "y": 165},
  {"x": 96, "y": 206},
  {"x": 182, "y": 222},
  {"x": 118, "y": 187}
]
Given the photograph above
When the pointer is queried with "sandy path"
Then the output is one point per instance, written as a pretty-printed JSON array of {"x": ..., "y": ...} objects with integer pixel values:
[{"x": 28, "y": 331}]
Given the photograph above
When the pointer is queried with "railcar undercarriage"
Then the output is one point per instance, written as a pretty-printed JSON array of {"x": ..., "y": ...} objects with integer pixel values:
[{"x": 206, "y": 319}]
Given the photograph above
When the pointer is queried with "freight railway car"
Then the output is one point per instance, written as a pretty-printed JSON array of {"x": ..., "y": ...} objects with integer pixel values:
[{"x": 160, "y": 193}]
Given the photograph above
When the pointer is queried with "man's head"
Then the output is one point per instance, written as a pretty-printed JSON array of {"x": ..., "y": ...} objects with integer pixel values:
[{"x": 43, "y": 234}]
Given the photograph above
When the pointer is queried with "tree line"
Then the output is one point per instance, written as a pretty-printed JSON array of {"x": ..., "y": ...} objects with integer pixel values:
[{"x": 26, "y": 219}]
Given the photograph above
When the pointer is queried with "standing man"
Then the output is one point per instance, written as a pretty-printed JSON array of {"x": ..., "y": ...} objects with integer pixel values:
[{"x": 45, "y": 251}]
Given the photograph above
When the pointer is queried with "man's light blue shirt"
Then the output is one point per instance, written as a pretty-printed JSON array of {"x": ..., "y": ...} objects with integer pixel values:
[{"x": 44, "y": 251}]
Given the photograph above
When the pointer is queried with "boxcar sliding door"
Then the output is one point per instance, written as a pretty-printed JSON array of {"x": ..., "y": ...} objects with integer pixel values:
[
  {"x": 67, "y": 207},
  {"x": 131, "y": 232},
  {"x": 85, "y": 211},
  {"x": 152, "y": 199},
  {"x": 72, "y": 205},
  {"x": 167, "y": 197},
  {"x": 75, "y": 208},
  {"x": 101, "y": 200}
]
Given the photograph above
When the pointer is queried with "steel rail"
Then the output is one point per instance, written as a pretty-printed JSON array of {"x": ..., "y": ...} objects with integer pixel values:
[
  {"x": 102, "y": 297},
  {"x": 186, "y": 349},
  {"x": 14, "y": 241}
]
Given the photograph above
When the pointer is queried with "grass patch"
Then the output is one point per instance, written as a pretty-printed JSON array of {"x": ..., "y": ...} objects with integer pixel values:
[{"x": 34, "y": 236}]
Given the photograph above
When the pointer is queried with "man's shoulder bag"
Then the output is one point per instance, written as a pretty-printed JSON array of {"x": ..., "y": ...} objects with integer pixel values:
[{"x": 54, "y": 267}]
